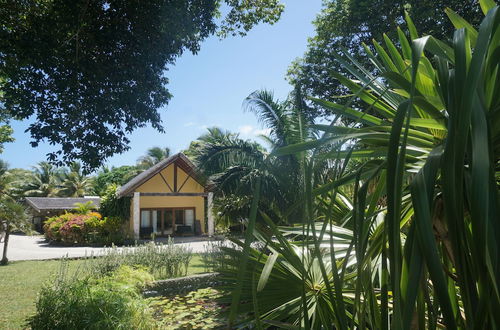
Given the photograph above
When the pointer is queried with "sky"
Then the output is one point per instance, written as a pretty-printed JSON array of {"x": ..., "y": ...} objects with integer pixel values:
[{"x": 209, "y": 88}]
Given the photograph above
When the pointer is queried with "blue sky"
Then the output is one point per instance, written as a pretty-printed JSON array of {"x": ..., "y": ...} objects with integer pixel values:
[{"x": 209, "y": 88}]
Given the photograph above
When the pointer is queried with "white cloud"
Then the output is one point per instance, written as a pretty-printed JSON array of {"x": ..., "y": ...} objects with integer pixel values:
[
  {"x": 264, "y": 131},
  {"x": 189, "y": 124},
  {"x": 246, "y": 129}
]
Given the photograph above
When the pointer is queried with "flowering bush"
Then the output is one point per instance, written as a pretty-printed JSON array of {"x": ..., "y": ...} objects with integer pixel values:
[{"x": 75, "y": 228}]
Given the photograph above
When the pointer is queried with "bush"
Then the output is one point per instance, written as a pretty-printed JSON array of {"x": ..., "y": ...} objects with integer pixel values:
[
  {"x": 162, "y": 260},
  {"x": 109, "y": 302},
  {"x": 112, "y": 206},
  {"x": 76, "y": 228}
]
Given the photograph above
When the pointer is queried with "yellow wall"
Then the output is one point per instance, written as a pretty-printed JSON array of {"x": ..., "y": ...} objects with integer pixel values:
[{"x": 157, "y": 185}]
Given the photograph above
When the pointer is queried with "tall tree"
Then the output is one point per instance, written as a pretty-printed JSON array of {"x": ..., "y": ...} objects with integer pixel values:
[
  {"x": 89, "y": 72},
  {"x": 343, "y": 25},
  {"x": 114, "y": 176},
  {"x": 74, "y": 183},
  {"x": 44, "y": 181},
  {"x": 153, "y": 156},
  {"x": 234, "y": 165}
]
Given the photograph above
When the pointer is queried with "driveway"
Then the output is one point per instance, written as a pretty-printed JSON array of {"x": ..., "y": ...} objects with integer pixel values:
[{"x": 35, "y": 248}]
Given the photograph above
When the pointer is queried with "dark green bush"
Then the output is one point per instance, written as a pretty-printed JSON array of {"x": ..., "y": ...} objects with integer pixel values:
[
  {"x": 112, "y": 206},
  {"x": 109, "y": 302}
]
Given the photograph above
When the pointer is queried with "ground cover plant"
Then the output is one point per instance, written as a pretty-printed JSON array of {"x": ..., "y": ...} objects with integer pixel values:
[
  {"x": 404, "y": 232},
  {"x": 195, "y": 310}
]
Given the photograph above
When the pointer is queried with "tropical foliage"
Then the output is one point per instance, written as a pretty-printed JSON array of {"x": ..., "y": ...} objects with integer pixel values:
[
  {"x": 113, "y": 176},
  {"x": 234, "y": 165},
  {"x": 47, "y": 180},
  {"x": 408, "y": 236},
  {"x": 110, "y": 301},
  {"x": 13, "y": 217},
  {"x": 112, "y": 206},
  {"x": 81, "y": 228},
  {"x": 110, "y": 88},
  {"x": 153, "y": 156},
  {"x": 342, "y": 25}
]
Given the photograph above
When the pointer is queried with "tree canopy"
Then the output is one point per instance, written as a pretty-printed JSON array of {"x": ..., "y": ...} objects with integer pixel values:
[
  {"x": 344, "y": 25},
  {"x": 89, "y": 72}
]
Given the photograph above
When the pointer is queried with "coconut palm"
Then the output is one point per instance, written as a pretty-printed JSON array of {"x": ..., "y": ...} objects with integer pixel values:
[
  {"x": 44, "y": 181},
  {"x": 234, "y": 165},
  {"x": 73, "y": 183},
  {"x": 153, "y": 156}
]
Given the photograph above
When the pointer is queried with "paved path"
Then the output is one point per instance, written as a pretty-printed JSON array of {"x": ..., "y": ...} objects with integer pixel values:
[{"x": 35, "y": 248}]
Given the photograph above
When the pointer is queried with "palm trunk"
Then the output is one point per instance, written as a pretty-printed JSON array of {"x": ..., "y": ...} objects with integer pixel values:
[{"x": 4, "y": 260}]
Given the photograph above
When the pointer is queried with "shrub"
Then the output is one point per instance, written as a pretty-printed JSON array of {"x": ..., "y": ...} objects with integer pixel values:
[
  {"x": 162, "y": 260},
  {"x": 77, "y": 228},
  {"x": 109, "y": 302},
  {"x": 112, "y": 206}
]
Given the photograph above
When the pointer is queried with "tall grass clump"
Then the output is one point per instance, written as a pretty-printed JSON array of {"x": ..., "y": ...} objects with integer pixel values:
[
  {"x": 162, "y": 260},
  {"x": 113, "y": 301},
  {"x": 214, "y": 256}
]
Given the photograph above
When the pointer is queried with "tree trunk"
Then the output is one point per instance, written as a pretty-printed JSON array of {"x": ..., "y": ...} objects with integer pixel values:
[{"x": 4, "y": 260}]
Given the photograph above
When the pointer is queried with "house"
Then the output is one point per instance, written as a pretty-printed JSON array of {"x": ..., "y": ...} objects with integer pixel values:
[
  {"x": 42, "y": 208},
  {"x": 170, "y": 198}
]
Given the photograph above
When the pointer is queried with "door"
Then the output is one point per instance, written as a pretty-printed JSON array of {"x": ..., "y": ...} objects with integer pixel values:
[{"x": 167, "y": 222}]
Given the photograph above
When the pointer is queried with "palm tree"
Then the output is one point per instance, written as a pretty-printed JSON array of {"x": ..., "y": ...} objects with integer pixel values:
[
  {"x": 74, "y": 183},
  {"x": 44, "y": 181},
  {"x": 235, "y": 165},
  {"x": 153, "y": 156}
]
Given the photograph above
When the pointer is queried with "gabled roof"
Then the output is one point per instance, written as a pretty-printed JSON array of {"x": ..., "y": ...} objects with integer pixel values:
[
  {"x": 180, "y": 159},
  {"x": 59, "y": 203}
]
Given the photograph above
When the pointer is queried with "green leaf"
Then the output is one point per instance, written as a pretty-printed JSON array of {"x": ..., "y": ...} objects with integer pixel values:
[
  {"x": 348, "y": 112},
  {"x": 460, "y": 23},
  {"x": 486, "y": 5},
  {"x": 268, "y": 267}
]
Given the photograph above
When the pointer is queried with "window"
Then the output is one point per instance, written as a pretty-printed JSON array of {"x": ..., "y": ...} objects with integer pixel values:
[
  {"x": 145, "y": 219},
  {"x": 168, "y": 218},
  {"x": 179, "y": 217},
  {"x": 165, "y": 221},
  {"x": 189, "y": 217}
]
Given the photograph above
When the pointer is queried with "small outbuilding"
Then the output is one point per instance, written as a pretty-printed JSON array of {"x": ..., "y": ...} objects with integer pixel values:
[
  {"x": 42, "y": 208},
  {"x": 169, "y": 199}
]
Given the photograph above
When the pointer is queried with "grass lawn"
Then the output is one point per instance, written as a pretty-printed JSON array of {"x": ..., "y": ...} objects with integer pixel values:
[{"x": 20, "y": 282}]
